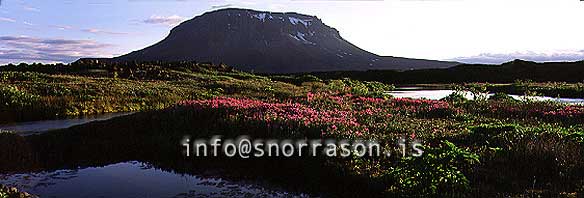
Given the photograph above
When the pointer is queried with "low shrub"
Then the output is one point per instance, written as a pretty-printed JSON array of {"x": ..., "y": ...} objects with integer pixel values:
[
  {"x": 502, "y": 97},
  {"x": 455, "y": 97},
  {"x": 438, "y": 172}
]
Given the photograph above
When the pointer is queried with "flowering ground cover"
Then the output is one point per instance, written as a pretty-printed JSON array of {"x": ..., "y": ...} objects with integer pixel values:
[
  {"x": 549, "y": 111},
  {"x": 466, "y": 143}
]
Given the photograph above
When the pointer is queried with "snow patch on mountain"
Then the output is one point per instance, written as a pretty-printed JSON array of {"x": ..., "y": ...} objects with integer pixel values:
[
  {"x": 295, "y": 21},
  {"x": 301, "y": 37},
  {"x": 262, "y": 16}
]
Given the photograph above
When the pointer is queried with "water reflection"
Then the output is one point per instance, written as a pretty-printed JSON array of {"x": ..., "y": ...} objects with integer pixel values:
[
  {"x": 34, "y": 127},
  {"x": 427, "y": 94},
  {"x": 153, "y": 138},
  {"x": 418, "y": 93},
  {"x": 132, "y": 179}
]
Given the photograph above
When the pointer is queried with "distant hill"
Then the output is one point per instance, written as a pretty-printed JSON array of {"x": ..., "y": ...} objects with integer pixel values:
[
  {"x": 269, "y": 42},
  {"x": 504, "y": 73}
]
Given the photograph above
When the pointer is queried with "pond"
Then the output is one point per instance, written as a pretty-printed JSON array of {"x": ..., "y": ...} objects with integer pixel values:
[
  {"x": 437, "y": 94},
  {"x": 125, "y": 179},
  {"x": 132, "y": 179},
  {"x": 35, "y": 127}
]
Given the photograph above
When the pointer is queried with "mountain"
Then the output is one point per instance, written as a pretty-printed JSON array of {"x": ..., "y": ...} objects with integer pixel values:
[{"x": 268, "y": 42}]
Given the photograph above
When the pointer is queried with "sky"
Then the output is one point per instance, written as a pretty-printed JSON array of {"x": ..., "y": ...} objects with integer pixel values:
[{"x": 470, "y": 31}]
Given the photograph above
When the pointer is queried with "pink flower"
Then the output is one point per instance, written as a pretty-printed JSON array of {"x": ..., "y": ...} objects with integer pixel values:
[{"x": 309, "y": 96}]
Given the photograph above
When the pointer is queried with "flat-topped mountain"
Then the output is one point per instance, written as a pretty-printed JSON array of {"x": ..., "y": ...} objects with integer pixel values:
[{"x": 268, "y": 42}]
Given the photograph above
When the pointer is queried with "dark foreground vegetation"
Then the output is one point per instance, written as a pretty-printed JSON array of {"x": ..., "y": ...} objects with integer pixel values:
[
  {"x": 495, "y": 147},
  {"x": 552, "y": 89},
  {"x": 11, "y": 192}
]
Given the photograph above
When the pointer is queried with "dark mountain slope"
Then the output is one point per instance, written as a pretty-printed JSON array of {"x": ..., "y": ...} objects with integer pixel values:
[{"x": 268, "y": 42}]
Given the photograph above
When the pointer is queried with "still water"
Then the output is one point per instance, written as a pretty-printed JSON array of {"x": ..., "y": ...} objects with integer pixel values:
[
  {"x": 28, "y": 128},
  {"x": 127, "y": 179},
  {"x": 419, "y": 93},
  {"x": 132, "y": 179}
]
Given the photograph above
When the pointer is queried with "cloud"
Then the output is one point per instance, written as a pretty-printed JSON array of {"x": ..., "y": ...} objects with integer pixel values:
[
  {"x": 99, "y": 3},
  {"x": 61, "y": 27},
  {"x": 4, "y": 19},
  {"x": 30, "y": 8},
  {"x": 35, "y": 49},
  {"x": 498, "y": 58},
  {"x": 221, "y": 6},
  {"x": 99, "y": 31},
  {"x": 165, "y": 20}
]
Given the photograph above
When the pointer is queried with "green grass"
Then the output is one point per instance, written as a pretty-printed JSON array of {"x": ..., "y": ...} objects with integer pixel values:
[{"x": 29, "y": 95}]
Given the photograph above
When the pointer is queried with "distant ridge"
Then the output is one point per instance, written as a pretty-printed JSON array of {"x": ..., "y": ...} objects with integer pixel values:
[
  {"x": 269, "y": 42},
  {"x": 509, "y": 72}
]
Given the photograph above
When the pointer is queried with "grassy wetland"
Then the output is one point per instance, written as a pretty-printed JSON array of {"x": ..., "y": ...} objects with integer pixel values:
[{"x": 488, "y": 147}]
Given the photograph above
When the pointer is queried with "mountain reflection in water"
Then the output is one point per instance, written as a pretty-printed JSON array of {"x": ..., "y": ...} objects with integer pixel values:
[{"x": 132, "y": 179}]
